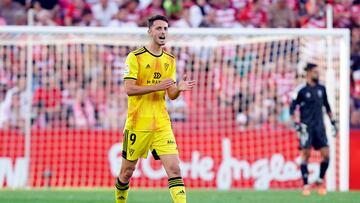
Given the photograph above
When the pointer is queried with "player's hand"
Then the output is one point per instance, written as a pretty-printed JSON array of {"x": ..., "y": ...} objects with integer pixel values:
[
  {"x": 301, "y": 129},
  {"x": 334, "y": 130},
  {"x": 165, "y": 84},
  {"x": 185, "y": 85}
]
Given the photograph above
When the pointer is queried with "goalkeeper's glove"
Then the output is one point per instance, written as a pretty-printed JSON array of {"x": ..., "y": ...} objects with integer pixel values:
[
  {"x": 301, "y": 128},
  {"x": 334, "y": 130}
]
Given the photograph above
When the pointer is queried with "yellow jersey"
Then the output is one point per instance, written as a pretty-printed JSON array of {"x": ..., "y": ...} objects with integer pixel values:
[{"x": 148, "y": 112}]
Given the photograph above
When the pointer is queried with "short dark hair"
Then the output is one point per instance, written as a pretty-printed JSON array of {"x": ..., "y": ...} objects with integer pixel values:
[
  {"x": 310, "y": 66},
  {"x": 156, "y": 17}
]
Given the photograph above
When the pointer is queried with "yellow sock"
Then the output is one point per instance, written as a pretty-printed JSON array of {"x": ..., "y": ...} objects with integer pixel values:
[
  {"x": 121, "y": 191},
  {"x": 177, "y": 190}
]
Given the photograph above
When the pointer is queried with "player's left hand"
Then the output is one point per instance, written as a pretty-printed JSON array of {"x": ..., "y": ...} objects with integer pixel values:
[
  {"x": 334, "y": 128},
  {"x": 301, "y": 129},
  {"x": 185, "y": 85}
]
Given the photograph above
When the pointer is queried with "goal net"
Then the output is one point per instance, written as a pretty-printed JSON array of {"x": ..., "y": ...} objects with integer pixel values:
[{"x": 63, "y": 106}]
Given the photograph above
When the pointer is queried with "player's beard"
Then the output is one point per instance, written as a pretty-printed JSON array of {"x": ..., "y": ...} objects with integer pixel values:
[{"x": 315, "y": 80}]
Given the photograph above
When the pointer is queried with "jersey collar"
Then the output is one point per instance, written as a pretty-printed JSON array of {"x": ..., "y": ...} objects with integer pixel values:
[{"x": 162, "y": 51}]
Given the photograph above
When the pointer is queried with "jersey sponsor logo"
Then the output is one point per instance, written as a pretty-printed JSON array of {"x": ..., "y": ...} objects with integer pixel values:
[
  {"x": 166, "y": 66},
  {"x": 157, "y": 75},
  {"x": 153, "y": 81},
  {"x": 148, "y": 66},
  {"x": 127, "y": 69}
]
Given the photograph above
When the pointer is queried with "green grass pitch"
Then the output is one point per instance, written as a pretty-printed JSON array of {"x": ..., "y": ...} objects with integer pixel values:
[{"x": 163, "y": 196}]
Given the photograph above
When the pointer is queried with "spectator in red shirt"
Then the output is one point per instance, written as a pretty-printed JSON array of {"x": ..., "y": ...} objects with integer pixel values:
[
  {"x": 355, "y": 15},
  {"x": 155, "y": 8},
  {"x": 75, "y": 12},
  {"x": 342, "y": 13},
  {"x": 253, "y": 15},
  {"x": 315, "y": 15},
  {"x": 49, "y": 96}
]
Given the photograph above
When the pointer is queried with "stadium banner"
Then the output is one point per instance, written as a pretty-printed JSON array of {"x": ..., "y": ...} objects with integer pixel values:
[{"x": 92, "y": 158}]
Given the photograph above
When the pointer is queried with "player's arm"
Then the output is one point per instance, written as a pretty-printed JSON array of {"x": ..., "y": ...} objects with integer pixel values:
[
  {"x": 174, "y": 91},
  {"x": 329, "y": 113},
  {"x": 293, "y": 105},
  {"x": 133, "y": 89},
  {"x": 327, "y": 105},
  {"x": 298, "y": 126}
]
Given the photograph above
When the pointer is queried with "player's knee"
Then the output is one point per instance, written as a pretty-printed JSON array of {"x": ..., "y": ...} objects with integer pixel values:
[
  {"x": 174, "y": 170},
  {"x": 127, "y": 173},
  {"x": 305, "y": 156},
  {"x": 325, "y": 157}
]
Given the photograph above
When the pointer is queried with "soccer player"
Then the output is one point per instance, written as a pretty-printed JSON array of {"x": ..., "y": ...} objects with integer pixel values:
[
  {"x": 312, "y": 98},
  {"x": 150, "y": 74}
]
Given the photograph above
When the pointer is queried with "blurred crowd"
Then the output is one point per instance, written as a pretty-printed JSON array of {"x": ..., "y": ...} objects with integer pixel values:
[
  {"x": 182, "y": 13},
  {"x": 85, "y": 89}
]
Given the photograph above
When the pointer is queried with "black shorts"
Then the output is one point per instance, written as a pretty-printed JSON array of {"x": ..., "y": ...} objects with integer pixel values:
[{"x": 316, "y": 138}]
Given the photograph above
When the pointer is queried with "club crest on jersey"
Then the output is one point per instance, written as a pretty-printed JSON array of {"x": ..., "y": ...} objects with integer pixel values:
[
  {"x": 319, "y": 93},
  {"x": 131, "y": 151},
  {"x": 308, "y": 95},
  {"x": 166, "y": 66}
]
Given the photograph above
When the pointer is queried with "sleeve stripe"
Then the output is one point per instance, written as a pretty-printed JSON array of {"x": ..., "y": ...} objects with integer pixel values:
[
  {"x": 132, "y": 78},
  {"x": 169, "y": 55},
  {"x": 138, "y": 53},
  {"x": 139, "y": 50}
]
